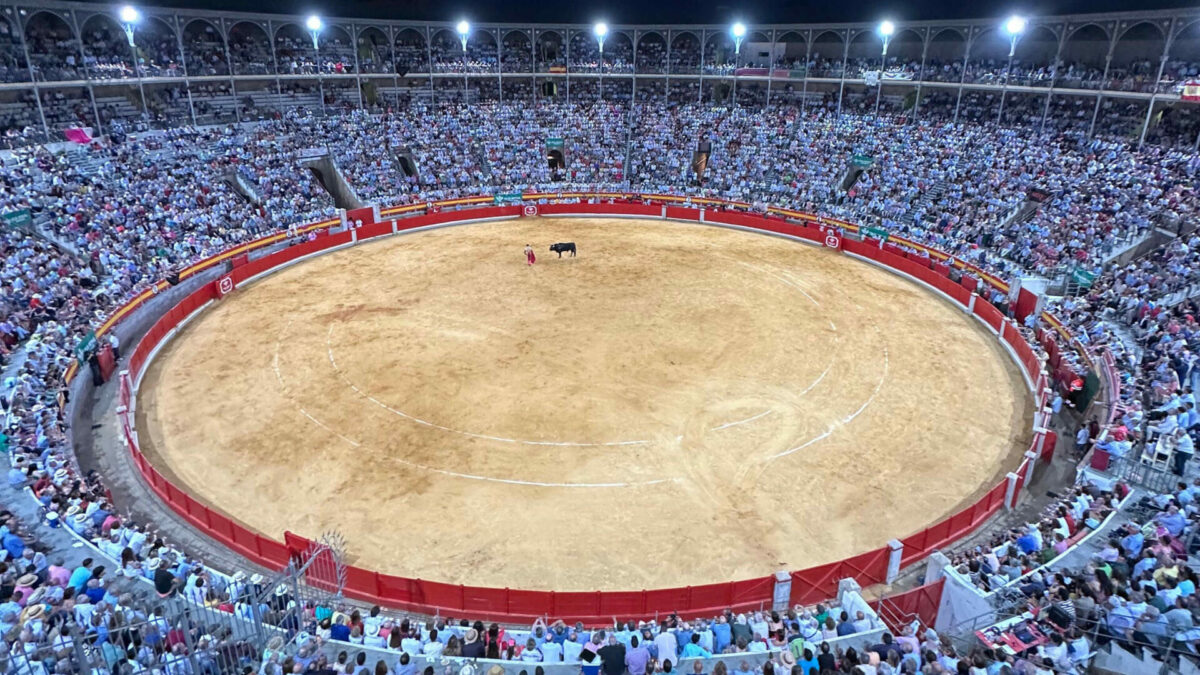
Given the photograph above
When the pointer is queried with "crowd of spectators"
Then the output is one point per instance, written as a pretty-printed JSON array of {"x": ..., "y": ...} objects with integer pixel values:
[{"x": 147, "y": 205}]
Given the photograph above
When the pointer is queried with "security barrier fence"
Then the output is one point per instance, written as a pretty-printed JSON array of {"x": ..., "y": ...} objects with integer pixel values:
[{"x": 957, "y": 281}]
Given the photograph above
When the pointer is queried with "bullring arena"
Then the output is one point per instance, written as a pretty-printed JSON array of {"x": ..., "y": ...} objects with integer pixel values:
[{"x": 731, "y": 402}]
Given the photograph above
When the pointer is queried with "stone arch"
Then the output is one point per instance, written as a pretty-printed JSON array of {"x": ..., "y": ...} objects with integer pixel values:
[
  {"x": 204, "y": 48},
  {"x": 516, "y": 52},
  {"x": 685, "y": 52},
  {"x": 374, "y": 51},
  {"x": 53, "y": 47},
  {"x": 250, "y": 49},
  {"x": 410, "y": 51},
  {"x": 652, "y": 52}
]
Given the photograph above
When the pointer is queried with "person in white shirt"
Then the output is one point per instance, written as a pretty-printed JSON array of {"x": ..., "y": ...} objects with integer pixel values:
[
  {"x": 433, "y": 648},
  {"x": 531, "y": 654},
  {"x": 372, "y": 622},
  {"x": 552, "y": 652},
  {"x": 411, "y": 645},
  {"x": 572, "y": 648},
  {"x": 668, "y": 648}
]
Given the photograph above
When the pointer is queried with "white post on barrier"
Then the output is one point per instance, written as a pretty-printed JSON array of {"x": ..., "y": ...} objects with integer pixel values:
[
  {"x": 1003, "y": 325},
  {"x": 342, "y": 216},
  {"x": 781, "y": 598},
  {"x": 664, "y": 211},
  {"x": 375, "y": 213},
  {"x": 354, "y": 236},
  {"x": 971, "y": 303},
  {"x": 702, "y": 215},
  {"x": 895, "y": 554},
  {"x": 1032, "y": 457},
  {"x": 395, "y": 227},
  {"x": 1010, "y": 492}
]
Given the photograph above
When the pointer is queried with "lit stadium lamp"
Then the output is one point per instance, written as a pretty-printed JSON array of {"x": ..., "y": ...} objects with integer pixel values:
[
  {"x": 315, "y": 25},
  {"x": 1015, "y": 26},
  {"x": 601, "y": 31},
  {"x": 886, "y": 30},
  {"x": 130, "y": 18},
  {"x": 464, "y": 29},
  {"x": 739, "y": 33}
]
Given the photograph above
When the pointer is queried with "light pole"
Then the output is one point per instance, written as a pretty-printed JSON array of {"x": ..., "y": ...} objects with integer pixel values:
[
  {"x": 464, "y": 29},
  {"x": 130, "y": 18},
  {"x": 886, "y": 30},
  {"x": 314, "y": 25},
  {"x": 738, "y": 30},
  {"x": 601, "y": 31},
  {"x": 1015, "y": 26}
]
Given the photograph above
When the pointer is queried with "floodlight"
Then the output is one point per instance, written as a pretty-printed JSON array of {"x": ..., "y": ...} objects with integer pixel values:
[
  {"x": 129, "y": 14},
  {"x": 1015, "y": 25},
  {"x": 314, "y": 23},
  {"x": 601, "y": 29},
  {"x": 463, "y": 28},
  {"x": 887, "y": 29},
  {"x": 739, "y": 29}
]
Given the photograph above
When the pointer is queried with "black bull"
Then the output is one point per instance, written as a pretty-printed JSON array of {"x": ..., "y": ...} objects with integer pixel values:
[{"x": 567, "y": 247}]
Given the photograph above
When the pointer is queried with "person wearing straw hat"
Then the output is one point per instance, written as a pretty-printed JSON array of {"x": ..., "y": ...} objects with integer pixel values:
[{"x": 24, "y": 587}]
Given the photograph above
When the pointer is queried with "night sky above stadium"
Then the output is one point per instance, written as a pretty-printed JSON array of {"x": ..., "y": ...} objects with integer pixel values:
[{"x": 675, "y": 11}]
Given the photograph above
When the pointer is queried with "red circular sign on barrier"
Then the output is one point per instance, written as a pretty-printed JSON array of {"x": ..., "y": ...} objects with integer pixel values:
[
  {"x": 225, "y": 285},
  {"x": 530, "y": 210},
  {"x": 832, "y": 241}
]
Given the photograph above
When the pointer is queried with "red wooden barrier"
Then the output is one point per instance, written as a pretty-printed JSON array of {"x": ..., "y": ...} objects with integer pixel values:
[{"x": 808, "y": 586}]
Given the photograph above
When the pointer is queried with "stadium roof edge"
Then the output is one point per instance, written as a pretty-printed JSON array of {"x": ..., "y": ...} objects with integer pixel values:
[{"x": 1187, "y": 14}]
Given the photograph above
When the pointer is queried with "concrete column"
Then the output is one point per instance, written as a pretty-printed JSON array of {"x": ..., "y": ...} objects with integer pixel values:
[
  {"x": 847, "y": 586},
  {"x": 895, "y": 553},
  {"x": 1010, "y": 491},
  {"x": 936, "y": 567},
  {"x": 782, "y": 597}
]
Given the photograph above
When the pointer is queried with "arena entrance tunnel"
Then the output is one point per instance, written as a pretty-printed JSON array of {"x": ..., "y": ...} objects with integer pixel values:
[{"x": 813, "y": 584}]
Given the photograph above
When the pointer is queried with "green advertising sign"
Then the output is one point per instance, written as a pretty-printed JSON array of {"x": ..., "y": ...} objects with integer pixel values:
[
  {"x": 21, "y": 218},
  {"x": 554, "y": 143},
  {"x": 875, "y": 233},
  {"x": 501, "y": 198},
  {"x": 863, "y": 161},
  {"x": 86, "y": 346},
  {"x": 1083, "y": 277}
]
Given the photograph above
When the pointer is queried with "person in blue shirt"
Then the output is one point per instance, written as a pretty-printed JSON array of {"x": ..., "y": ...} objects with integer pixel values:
[
  {"x": 1172, "y": 520},
  {"x": 722, "y": 635},
  {"x": 1132, "y": 542},
  {"x": 14, "y": 545},
  {"x": 693, "y": 649},
  {"x": 845, "y": 627},
  {"x": 1027, "y": 542},
  {"x": 808, "y": 663},
  {"x": 80, "y": 576}
]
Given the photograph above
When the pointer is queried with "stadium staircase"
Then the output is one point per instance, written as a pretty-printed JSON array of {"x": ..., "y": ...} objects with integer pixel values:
[
  {"x": 928, "y": 199},
  {"x": 629, "y": 122}
]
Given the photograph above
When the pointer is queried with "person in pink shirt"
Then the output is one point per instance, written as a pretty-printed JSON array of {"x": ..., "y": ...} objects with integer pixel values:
[{"x": 58, "y": 574}]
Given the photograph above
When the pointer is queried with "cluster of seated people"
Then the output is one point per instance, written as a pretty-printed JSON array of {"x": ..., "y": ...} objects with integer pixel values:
[{"x": 115, "y": 216}]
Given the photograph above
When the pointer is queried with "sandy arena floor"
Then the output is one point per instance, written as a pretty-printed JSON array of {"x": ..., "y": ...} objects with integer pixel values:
[{"x": 678, "y": 405}]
